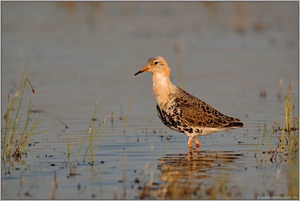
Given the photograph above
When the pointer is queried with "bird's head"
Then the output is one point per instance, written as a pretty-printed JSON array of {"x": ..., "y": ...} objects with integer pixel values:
[{"x": 156, "y": 65}]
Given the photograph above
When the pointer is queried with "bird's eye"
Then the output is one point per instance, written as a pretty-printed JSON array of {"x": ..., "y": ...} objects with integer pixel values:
[{"x": 155, "y": 62}]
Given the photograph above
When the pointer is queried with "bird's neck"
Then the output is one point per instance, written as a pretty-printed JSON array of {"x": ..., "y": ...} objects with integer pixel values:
[{"x": 162, "y": 88}]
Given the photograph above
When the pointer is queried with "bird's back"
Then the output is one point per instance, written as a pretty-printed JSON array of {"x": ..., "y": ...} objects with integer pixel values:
[{"x": 186, "y": 113}]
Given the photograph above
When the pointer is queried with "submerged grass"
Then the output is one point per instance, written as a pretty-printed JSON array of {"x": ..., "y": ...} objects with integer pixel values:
[
  {"x": 13, "y": 119},
  {"x": 291, "y": 146},
  {"x": 90, "y": 134},
  {"x": 287, "y": 137},
  {"x": 286, "y": 150},
  {"x": 95, "y": 130},
  {"x": 288, "y": 140}
]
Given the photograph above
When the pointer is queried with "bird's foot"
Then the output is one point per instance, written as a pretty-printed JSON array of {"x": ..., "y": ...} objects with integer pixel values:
[{"x": 197, "y": 142}]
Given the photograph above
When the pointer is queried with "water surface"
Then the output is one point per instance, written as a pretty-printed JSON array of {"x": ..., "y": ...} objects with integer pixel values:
[{"x": 80, "y": 53}]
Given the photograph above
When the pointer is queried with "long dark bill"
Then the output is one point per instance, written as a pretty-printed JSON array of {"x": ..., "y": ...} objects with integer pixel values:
[
  {"x": 145, "y": 69},
  {"x": 140, "y": 71}
]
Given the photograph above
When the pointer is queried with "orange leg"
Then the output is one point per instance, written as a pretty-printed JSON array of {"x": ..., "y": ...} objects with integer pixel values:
[
  {"x": 197, "y": 142},
  {"x": 190, "y": 143}
]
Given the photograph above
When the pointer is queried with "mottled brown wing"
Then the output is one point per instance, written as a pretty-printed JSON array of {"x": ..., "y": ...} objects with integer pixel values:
[{"x": 196, "y": 112}]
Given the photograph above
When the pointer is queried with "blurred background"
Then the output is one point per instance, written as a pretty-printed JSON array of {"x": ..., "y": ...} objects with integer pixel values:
[{"x": 78, "y": 52}]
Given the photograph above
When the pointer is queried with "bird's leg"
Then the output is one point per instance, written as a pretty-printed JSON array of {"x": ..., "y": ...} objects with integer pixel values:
[
  {"x": 197, "y": 142},
  {"x": 190, "y": 142}
]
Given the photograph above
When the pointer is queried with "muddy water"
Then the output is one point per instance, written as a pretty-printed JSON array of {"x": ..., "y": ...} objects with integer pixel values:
[{"x": 79, "y": 53}]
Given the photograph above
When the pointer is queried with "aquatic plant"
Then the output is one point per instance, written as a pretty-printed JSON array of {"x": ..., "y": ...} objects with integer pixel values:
[
  {"x": 286, "y": 136},
  {"x": 13, "y": 119},
  {"x": 288, "y": 139},
  {"x": 92, "y": 133},
  {"x": 292, "y": 146},
  {"x": 286, "y": 148}
]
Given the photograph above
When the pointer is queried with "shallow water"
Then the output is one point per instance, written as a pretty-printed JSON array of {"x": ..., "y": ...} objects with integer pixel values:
[{"x": 79, "y": 53}]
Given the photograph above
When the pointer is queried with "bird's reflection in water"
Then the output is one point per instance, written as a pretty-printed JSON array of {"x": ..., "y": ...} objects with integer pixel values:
[
  {"x": 183, "y": 175},
  {"x": 196, "y": 161}
]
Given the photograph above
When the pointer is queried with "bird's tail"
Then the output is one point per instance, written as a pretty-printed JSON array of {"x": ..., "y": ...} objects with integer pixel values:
[{"x": 235, "y": 124}]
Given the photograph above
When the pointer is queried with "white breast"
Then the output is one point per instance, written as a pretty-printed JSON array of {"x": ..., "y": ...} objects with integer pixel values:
[{"x": 161, "y": 88}]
